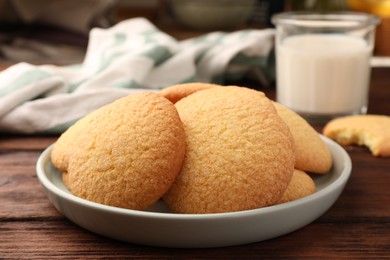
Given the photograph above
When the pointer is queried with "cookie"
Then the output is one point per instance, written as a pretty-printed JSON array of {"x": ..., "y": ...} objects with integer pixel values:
[
  {"x": 311, "y": 152},
  {"x": 372, "y": 131},
  {"x": 126, "y": 154},
  {"x": 176, "y": 92},
  {"x": 239, "y": 152},
  {"x": 301, "y": 185}
]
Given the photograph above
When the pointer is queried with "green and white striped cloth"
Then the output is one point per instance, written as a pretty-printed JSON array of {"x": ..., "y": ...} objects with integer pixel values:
[{"x": 132, "y": 56}]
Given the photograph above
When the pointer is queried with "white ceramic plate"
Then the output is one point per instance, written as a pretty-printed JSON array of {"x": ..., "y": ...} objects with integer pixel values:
[{"x": 157, "y": 227}]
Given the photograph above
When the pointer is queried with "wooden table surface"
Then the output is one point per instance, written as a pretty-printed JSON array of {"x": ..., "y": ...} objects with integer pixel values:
[{"x": 357, "y": 226}]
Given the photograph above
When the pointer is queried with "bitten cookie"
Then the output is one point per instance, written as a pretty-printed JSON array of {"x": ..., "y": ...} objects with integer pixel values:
[
  {"x": 372, "y": 131},
  {"x": 311, "y": 152},
  {"x": 126, "y": 154},
  {"x": 176, "y": 92},
  {"x": 239, "y": 152},
  {"x": 301, "y": 185}
]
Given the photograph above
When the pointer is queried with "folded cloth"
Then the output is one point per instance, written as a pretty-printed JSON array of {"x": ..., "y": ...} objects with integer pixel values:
[{"x": 132, "y": 56}]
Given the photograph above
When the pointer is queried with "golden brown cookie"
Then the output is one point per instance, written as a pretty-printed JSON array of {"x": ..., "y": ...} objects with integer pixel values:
[
  {"x": 176, "y": 92},
  {"x": 301, "y": 185},
  {"x": 126, "y": 154},
  {"x": 311, "y": 152},
  {"x": 372, "y": 131},
  {"x": 239, "y": 152}
]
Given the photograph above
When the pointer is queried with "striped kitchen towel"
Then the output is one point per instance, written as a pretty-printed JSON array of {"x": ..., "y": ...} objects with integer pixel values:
[{"x": 132, "y": 56}]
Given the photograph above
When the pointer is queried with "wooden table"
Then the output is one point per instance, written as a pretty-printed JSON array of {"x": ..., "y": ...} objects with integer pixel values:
[{"x": 357, "y": 226}]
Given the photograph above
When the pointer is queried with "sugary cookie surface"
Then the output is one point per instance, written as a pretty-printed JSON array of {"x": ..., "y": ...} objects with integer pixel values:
[
  {"x": 176, "y": 92},
  {"x": 301, "y": 185},
  {"x": 239, "y": 152},
  {"x": 126, "y": 154},
  {"x": 311, "y": 152},
  {"x": 372, "y": 131}
]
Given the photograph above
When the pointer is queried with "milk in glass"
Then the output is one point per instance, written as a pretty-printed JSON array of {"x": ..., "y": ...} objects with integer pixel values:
[{"x": 323, "y": 73}]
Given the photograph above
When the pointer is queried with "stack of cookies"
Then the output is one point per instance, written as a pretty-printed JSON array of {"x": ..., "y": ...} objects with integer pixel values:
[{"x": 202, "y": 148}]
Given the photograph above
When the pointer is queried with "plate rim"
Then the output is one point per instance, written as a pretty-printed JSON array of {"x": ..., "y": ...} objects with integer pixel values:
[{"x": 48, "y": 184}]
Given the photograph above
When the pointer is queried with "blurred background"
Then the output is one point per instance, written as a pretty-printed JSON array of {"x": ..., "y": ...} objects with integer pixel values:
[{"x": 56, "y": 31}]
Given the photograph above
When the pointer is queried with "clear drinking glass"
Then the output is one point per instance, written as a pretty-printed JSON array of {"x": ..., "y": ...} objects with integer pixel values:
[{"x": 323, "y": 62}]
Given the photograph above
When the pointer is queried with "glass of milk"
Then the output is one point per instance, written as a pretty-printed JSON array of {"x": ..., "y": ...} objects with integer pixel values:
[{"x": 323, "y": 63}]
